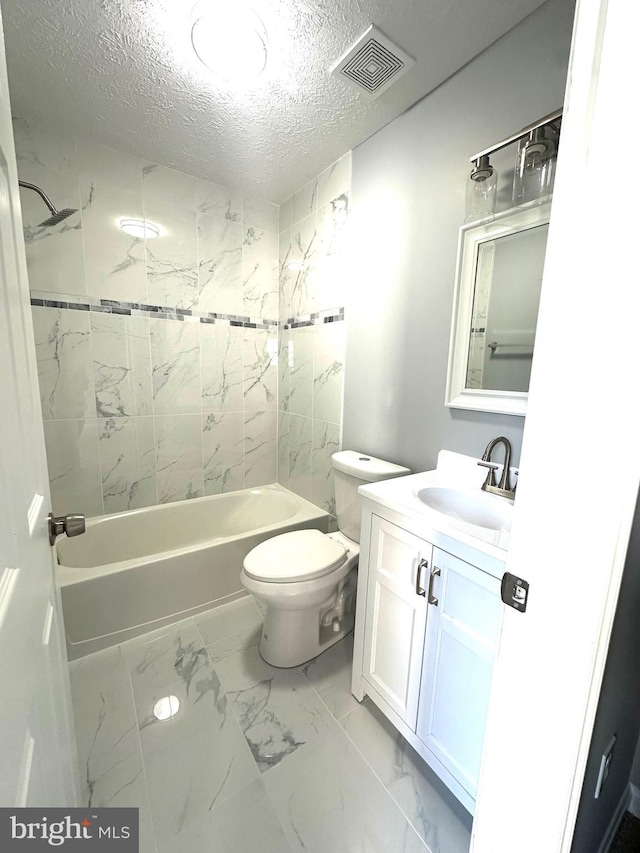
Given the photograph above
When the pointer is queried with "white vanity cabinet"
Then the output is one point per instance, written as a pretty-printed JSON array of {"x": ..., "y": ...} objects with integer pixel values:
[
  {"x": 462, "y": 630},
  {"x": 427, "y": 627},
  {"x": 396, "y": 616}
]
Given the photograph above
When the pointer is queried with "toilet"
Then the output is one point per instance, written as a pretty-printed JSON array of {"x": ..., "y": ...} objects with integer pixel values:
[{"x": 305, "y": 581}]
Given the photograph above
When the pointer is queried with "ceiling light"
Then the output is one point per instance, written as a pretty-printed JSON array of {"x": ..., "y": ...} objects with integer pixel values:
[
  {"x": 140, "y": 228},
  {"x": 166, "y": 708},
  {"x": 229, "y": 38}
]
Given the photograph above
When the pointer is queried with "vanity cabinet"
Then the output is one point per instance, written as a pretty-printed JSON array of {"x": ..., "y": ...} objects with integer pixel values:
[
  {"x": 462, "y": 630},
  {"x": 427, "y": 628},
  {"x": 396, "y": 616}
]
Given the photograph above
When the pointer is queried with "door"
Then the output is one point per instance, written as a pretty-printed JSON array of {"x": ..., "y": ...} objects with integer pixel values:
[
  {"x": 463, "y": 625},
  {"x": 36, "y": 735},
  {"x": 396, "y": 612}
]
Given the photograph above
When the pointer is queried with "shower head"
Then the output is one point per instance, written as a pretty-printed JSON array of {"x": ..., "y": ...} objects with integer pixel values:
[{"x": 56, "y": 215}]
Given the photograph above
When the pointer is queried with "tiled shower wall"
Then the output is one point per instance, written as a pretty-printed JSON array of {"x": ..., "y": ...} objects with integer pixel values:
[
  {"x": 313, "y": 234},
  {"x": 157, "y": 360}
]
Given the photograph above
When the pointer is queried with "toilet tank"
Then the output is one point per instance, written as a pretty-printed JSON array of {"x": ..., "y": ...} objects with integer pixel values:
[{"x": 353, "y": 469}]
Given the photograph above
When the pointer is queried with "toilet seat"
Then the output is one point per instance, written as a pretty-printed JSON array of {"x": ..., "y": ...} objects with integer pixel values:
[{"x": 297, "y": 556}]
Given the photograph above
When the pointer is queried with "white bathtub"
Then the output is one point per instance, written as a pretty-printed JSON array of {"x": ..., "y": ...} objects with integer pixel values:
[{"x": 135, "y": 571}]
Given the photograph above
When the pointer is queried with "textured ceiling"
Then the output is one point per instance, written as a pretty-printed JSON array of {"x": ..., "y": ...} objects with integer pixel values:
[{"x": 124, "y": 72}]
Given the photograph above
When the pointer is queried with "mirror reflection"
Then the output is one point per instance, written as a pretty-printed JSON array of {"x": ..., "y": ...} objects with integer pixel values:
[
  {"x": 498, "y": 283},
  {"x": 508, "y": 278}
]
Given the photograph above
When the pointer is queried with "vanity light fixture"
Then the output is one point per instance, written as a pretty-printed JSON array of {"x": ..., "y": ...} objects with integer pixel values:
[
  {"x": 481, "y": 190},
  {"x": 229, "y": 39},
  {"x": 166, "y": 708},
  {"x": 535, "y": 165},
  {"x": 142, "y": 229}
]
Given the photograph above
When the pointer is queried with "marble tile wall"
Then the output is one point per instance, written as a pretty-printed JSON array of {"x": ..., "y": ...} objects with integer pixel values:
[
  {"x": 313, "y": 277},
  {"x": 157, "y": 359}
]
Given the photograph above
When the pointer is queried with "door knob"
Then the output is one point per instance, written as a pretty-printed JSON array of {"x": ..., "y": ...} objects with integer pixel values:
[{"x": 72, "y": 525}]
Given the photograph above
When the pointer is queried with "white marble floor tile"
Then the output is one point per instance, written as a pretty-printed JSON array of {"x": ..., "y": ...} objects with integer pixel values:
[
  {"x": 231, "y": 628},
  {"x": 330, "y": 676},
  {"x": 196, "y": 760},
  {"x": 109, "y": 755},
  {"x": 163, "y": 657},
  {"x": 440, "y": 820},
  {"x": 246, "y": 823},
  {"x": 254, "y": 759},
  {"x": 328, "y": 799},
  {"x": 199, "y": 757},
  {"x": 277, "y": 709}
]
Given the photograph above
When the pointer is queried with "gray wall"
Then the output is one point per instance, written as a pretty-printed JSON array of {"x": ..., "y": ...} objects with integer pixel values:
[
  {"x": 618, "y": 710},
  {"x": 408, "y": 186}
]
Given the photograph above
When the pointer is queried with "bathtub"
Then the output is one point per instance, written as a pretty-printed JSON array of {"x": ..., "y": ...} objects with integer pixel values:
[{"x": 133, "y": 572}]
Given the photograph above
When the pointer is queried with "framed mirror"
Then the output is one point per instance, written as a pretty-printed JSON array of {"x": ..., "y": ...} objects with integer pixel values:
[{"x": 497, "y": 294}]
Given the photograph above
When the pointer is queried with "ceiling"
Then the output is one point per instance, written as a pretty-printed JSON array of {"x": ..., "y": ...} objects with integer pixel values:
[{"x": 124, "y": 72}]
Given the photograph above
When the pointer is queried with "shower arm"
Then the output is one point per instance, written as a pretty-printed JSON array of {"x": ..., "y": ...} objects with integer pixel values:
[
  {"x": 41, "y": 193},
  {"x": 549, "y": 119}
]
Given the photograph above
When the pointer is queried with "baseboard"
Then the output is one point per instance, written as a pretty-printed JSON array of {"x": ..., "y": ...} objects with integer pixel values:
[
  {"x": 634, "y": 802},
  {"x": 622, "y": 807}
]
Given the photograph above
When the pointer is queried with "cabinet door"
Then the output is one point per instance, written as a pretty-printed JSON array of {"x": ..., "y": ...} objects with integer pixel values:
[
  {"x": 396, "y": 612},
  {"x": 460, "y": 644}
]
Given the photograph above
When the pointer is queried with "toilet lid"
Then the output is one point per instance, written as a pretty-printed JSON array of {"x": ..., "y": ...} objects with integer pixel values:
[{"x": 297, "y": 556}]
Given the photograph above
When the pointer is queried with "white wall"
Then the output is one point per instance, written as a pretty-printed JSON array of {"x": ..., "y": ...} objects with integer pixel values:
[{"x": 408, "y": 186}]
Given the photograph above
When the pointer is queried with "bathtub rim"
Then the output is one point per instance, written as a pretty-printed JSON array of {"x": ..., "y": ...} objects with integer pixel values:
[{"x": 68, "y": 575}]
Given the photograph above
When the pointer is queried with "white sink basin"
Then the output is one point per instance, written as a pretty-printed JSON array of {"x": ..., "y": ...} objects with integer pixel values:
[{"x": 471, "y": 506}]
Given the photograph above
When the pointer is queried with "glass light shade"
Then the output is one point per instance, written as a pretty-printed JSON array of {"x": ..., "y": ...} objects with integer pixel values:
[
  {"x": 142, "y": 229},
  {"x": 535, "y": 168},
  {"x": 481, "y": 191},
  {"x": 229, "y": 38}
]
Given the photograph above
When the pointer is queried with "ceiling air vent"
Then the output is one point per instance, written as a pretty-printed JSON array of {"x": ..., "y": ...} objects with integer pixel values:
[{"x": 373, "y": 63}]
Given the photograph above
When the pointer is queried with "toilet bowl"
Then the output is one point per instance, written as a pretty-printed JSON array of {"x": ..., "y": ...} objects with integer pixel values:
[{"x": 305, "y": 581}]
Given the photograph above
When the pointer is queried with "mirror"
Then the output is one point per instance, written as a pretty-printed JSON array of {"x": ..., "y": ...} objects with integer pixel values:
[{"x": 498, "y": 281}]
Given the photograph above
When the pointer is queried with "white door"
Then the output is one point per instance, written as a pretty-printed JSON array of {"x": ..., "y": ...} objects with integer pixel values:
[
  {"x": 580, "y": 462},
  {"x": 463, "y": 626},
  {"x": 36, "y": 735},
  {"x": 396, "y": 612}
]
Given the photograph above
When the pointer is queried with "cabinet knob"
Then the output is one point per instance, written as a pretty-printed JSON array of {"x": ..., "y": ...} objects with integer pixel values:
[{"x": 435, "y": 573}]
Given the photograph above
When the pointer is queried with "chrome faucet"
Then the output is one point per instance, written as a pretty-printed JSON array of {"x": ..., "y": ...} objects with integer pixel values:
[{"x": 503, "y": 488}]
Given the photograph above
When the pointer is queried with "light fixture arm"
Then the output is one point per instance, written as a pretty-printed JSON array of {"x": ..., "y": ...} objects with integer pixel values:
[{"x": 516, "y": 137}]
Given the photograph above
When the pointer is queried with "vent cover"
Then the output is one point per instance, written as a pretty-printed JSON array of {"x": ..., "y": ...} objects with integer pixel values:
[{"x": 373, "y": 63}]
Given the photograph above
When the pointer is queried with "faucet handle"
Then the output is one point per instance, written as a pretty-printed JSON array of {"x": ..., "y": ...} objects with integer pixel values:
[{"x": 491, "y": 476}]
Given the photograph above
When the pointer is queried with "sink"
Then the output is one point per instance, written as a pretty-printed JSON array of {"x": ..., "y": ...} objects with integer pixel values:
[{"x": 471, "y": 506}]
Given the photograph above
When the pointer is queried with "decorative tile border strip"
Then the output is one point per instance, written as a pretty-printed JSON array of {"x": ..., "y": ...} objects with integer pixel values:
[
  {"x": 331, "y": 315},
  {"x": 72, "y": 302},
  {"x": 141, "y": 309}
]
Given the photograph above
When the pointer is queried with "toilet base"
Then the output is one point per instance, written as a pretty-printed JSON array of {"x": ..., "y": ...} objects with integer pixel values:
[{"x": 293, "y": 637}]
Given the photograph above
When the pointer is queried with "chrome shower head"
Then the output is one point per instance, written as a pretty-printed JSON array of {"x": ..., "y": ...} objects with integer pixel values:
[{"x": 56, "y": 215}]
